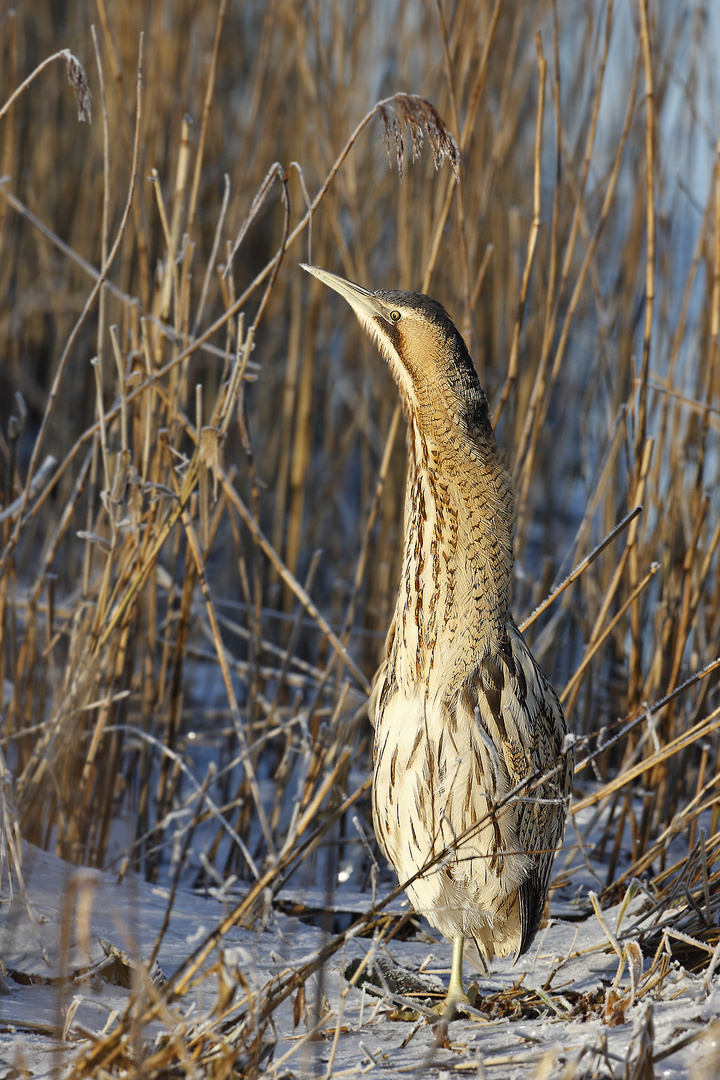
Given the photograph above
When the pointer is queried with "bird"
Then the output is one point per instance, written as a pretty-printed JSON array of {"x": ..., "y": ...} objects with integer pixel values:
[{"x": 473, "y": 763}]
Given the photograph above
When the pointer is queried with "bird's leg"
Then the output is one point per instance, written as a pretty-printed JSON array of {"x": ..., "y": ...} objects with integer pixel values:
[
  {"x": 456, "y": 991},
  {"x": 456, "y": 996}
]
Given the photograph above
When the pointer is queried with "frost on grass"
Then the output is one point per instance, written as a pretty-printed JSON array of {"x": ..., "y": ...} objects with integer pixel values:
[{"x": 86, "y": 957}]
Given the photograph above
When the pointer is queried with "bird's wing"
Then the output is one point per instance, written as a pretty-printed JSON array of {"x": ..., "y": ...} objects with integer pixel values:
[
  {"x": 544, "y": 811},
  {"x": 524, "y": 718}
]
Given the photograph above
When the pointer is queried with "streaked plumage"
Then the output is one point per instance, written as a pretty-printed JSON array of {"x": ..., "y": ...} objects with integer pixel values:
[{"x": 462, "y": 712}]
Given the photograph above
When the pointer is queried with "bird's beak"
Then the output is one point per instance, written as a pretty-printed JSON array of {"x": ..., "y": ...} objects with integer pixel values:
[{"x": 364, "y": 303}]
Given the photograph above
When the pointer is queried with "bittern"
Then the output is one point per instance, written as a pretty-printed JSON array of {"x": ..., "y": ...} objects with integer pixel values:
[{"x": 472, "y": 771}]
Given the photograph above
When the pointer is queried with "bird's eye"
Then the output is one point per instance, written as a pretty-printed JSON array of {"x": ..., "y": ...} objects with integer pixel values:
[{"x": 395, "y": 315}]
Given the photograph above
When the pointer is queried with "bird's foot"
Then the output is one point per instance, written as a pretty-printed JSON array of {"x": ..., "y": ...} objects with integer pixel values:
[
  {"x": 459, "y": 1002},
  {"x": 452, "y": 1008}
]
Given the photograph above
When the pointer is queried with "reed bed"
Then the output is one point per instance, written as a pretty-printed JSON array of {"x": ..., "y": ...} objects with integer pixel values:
[{"x": 202, "y": 461}]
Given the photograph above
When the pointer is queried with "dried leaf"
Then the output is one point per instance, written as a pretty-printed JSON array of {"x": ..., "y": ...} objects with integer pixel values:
[
  {"x": 441, "y": 1031},
  {"x": 209, "y": 463},
  {"x": 615, "y": 1005},
  {"x": 299, "y": 1005},
  {"x": 210, "y": 454},
  {"x": 634, "y": 958},
  {"x": 120, "y": 480}
]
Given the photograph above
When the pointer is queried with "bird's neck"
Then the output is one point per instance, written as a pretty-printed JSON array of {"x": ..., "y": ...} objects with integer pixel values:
[{"x": 454, "y": 598}]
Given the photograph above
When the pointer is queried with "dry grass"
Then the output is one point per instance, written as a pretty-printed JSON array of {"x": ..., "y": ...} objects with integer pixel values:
[{"x": 201, "y": 460}]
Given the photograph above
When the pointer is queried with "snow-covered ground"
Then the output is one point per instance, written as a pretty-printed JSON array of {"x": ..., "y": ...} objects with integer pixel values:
[{"x": 571, "y": 1007}]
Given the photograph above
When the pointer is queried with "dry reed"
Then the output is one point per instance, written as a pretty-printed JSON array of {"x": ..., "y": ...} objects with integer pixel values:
[{"x": 201, "y": 475}]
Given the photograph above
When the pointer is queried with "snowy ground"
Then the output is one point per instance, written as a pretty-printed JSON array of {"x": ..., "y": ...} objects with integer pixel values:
[{"x": 570, "y": 1015}]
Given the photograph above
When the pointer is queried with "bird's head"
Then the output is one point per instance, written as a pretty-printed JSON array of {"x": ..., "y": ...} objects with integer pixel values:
[{"x": 426, "y": 353}]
